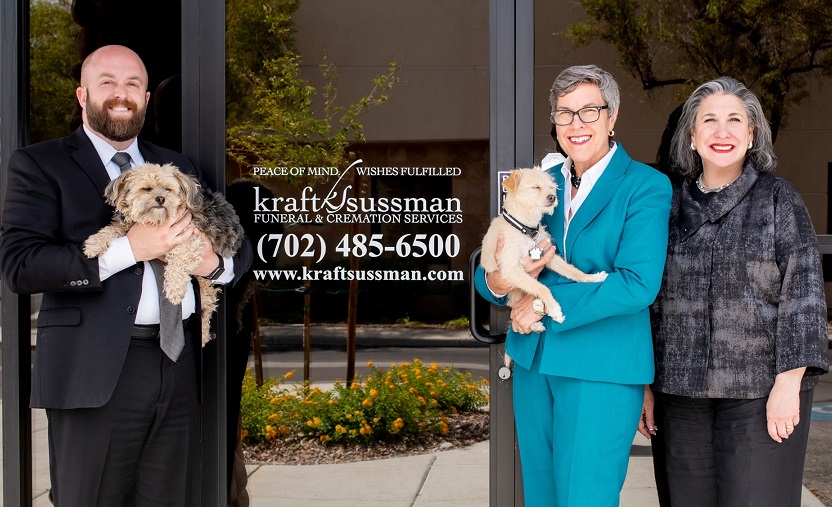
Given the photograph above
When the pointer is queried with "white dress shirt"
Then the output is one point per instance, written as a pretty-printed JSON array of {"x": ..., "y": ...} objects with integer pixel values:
[
  {"x": 119, "y": 255},
  {"x": 571, "y": 205}
]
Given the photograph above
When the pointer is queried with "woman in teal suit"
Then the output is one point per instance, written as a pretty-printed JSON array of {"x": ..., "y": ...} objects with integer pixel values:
[{"x": 579, "y": 385}]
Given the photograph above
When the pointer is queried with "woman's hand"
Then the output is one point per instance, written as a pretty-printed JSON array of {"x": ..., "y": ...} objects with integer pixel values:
[
  {"x": 647, "y": 423},
  {"x": 783, "y": 406},
  {"x": 535, "y": 267},
  {"x": 522, "y": 315}
]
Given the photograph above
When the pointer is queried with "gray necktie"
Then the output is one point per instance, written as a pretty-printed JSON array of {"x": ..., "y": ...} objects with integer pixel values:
[
  {"x": 171, "y": 333},
  {"x": 122, "y": 160}
]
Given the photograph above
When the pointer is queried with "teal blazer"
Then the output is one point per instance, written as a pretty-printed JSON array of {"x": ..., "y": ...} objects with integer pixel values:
[{"x": 621, "y": 228}]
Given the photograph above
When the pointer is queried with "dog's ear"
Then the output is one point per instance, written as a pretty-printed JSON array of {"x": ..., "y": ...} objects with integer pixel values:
[
  {"x": 114, "y": 192},
  {"x": 190, "y": 188},
  {"x": 510, "y": 183}
]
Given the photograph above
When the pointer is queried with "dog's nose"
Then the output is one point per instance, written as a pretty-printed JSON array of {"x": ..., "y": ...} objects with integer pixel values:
[
  {"x": 160, "y": 200},
  {"x": 551, "y": 198}
]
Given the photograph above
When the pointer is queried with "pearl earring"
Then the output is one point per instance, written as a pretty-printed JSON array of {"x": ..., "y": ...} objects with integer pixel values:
[
  {"x": 692, "y": 147},
  {"x": 750, "y": 144}
]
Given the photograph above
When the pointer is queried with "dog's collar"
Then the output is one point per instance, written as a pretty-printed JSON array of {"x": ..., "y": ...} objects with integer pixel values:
[{"x": 531, "y": 232}]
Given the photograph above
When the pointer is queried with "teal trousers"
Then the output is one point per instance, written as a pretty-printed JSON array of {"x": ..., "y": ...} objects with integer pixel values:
[{"x": 575, "y": 437}]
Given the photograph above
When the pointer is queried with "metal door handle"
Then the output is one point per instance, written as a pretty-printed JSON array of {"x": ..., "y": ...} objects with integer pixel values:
[{"x": 478, "y": 330}]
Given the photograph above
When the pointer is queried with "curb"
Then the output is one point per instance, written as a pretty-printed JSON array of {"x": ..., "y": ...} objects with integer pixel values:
[{"x": 290, "y": 337}]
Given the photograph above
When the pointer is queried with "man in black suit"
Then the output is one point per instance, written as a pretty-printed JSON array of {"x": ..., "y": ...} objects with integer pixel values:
[{"x": 123, "y": 424}]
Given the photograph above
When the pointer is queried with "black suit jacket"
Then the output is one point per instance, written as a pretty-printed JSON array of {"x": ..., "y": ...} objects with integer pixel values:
[{"x": 54, "y": 201}]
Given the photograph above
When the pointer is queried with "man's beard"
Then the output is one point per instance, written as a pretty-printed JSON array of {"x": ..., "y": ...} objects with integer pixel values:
[{"x": 115, "y": 130}]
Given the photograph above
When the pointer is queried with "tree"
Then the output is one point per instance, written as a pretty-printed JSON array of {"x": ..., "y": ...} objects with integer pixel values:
[
  {"x": 52, "y": 55},
  {"x": 775, "y": 47},
  {"x": 271, "y": 118},
  {"x": 272, "y": 121}
]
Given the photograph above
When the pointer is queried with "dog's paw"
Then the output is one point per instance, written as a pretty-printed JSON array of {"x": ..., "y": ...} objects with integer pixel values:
[
  {"x": 90, "y": 253},
  {"x": 93, "y": 248},
  {"x": 538, "y": 327},
  {"x": 553, "y": 310},
  {"x": 596, "y": 277}
]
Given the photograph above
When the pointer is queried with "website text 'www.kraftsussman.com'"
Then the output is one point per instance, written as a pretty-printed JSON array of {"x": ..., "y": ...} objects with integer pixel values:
[{"x": 339, "y": 273}]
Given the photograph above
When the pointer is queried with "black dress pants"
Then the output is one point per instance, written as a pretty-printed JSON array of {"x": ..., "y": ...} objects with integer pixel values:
[
  {"x": 138, "y": 449},
  {"x": 719, "y": 454}
]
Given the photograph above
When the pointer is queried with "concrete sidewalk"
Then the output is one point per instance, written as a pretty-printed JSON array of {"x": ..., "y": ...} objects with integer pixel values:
[{"x": 453, "y": 478}]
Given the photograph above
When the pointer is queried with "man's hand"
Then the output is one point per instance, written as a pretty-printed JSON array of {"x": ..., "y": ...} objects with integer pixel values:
[
  {"x": 210, "y": 261},
  {"x": 155, "y": 241}
]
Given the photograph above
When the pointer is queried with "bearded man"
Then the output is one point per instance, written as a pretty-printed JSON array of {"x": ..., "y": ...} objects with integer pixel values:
[{"x": 123, "y": 415}]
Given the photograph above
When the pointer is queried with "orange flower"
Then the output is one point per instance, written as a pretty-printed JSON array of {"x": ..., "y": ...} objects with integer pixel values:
[
  {"x": 270, "y": 432},
  {"x": 289, "y": 375},
  {"x": 367, "y": 402}
]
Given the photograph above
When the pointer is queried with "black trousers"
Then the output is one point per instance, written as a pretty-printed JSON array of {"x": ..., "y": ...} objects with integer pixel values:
[
  {"x": 719, "y": 454},
  {"x": 140, "y": 448}
]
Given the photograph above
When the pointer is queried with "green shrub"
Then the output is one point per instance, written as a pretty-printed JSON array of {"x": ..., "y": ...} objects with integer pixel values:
[{"x": 405, "y": 399}]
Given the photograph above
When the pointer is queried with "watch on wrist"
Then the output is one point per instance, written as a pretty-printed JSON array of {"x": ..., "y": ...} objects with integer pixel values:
[
  {"x": 219, "y": 271},
  {"x": 538, "y": 307}
]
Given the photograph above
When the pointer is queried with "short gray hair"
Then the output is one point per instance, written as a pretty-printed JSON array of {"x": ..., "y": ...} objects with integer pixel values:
[
  {"x": 688, "y": 162},
  {"x": 571, "y": 77}
]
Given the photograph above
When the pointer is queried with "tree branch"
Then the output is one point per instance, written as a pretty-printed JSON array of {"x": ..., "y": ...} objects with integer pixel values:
[{"x": 649, "y": 84}]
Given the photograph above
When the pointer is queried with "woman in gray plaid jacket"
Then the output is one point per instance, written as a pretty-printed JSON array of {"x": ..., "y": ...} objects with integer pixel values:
[{"x": 739, "y": 325}]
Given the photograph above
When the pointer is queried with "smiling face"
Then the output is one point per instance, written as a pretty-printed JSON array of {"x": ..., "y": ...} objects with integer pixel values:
[
  {"x": 585, "y": 143},
  {"x": 113, "y": 94},
  {"x": 721, "y": 133}
]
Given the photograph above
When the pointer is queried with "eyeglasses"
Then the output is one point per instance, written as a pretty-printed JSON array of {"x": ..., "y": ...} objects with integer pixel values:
[{"x": 589, "y": 114}]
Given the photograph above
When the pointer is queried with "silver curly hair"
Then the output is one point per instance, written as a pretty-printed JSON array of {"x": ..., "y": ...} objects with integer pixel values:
[
  {"x": 571, "y": 77},
  {"x": 688, "y": 162}
]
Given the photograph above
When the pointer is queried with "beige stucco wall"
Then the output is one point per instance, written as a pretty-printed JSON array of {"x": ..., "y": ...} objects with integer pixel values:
[{"x": 441, "y": 48}]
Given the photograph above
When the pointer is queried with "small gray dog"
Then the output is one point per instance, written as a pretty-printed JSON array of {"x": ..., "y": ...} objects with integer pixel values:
[{"x": 152, "y": 194}]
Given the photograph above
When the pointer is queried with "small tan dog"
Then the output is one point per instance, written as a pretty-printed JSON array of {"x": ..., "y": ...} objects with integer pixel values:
[
  {"x": 152, "y": 194},
  {"x": 529, "y": 194}
]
